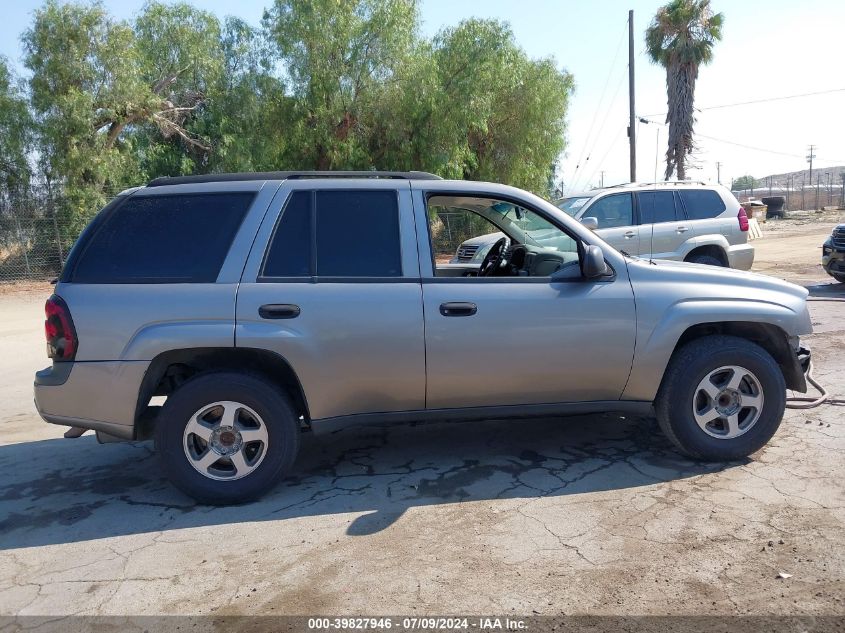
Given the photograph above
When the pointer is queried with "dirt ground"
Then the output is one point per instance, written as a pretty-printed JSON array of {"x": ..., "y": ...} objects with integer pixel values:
[{"x": 588, "y": 515}]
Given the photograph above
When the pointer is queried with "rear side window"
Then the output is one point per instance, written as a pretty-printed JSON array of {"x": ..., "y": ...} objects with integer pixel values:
[
  {"x": 357, "y": 235},
  {"x": 290, "y": 251},
  {"x": 163, "y": 239},
  {"x": 657, "y": 206},
  {"x": 701, "y": 204}
]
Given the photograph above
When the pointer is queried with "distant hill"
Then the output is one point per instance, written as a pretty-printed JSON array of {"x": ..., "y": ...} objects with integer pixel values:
[{"x": 795, "y": 179}]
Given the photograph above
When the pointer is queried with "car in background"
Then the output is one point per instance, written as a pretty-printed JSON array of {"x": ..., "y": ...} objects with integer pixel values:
[
  {"x": 833, "y": 254},
  {"x": 681, "y": 221}
]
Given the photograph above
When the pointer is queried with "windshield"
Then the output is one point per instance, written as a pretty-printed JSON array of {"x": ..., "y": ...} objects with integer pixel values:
[{"x": 572, "y": 205}]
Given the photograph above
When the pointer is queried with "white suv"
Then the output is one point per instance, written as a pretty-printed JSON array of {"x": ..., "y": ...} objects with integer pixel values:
[{"x": 682, "y": 221}]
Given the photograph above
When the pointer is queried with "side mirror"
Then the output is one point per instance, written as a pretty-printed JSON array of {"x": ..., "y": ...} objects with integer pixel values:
[
  {"x": 593, "y": 264},
  {"x": 590, "y": 223}
]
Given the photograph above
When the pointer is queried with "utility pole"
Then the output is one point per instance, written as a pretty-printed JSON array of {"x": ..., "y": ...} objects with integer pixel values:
[
  {"x": 719, "y": 172},
  {"x": 602, "y": 179},
  {"x": 827, "y": 173},
  {"x": 818, "y": 184},
  {"x": 632, "y": 122},
  {"x": 842, "y": 176},
  {"x": 810, "y": 158}
]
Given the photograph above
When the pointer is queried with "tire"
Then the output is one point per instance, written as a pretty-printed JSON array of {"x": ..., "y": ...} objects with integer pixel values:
[
  {"x": 713, "y": 358},
  {"x": 839, "y": 277},
  {"x": 709, "y": 260},
  {"x": 239, "y": 469}
]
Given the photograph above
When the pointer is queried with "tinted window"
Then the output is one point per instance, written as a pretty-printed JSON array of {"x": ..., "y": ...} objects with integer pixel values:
[
  {"x": 182, "y": 238},
  {"x": 358, "y": 234},
  {"x": 657, "y": 206},
  {"x": 701, "y": 204},
  {"x": 612, "y": 211},
  {"x": 290, "y": 250}
]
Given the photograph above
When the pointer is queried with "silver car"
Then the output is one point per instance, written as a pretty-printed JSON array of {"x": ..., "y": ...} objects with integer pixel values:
[
  {"x": 681, "y": 221},
  {"x": 223, "y": 316}
]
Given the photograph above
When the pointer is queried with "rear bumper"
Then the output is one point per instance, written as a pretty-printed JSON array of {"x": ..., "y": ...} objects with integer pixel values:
[
  {"x": 741, "y": 256},
  {"x": 102, "y": 396}
]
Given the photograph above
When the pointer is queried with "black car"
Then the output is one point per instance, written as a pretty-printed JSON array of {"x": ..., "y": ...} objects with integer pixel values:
[{"x": 833, "y": 254}]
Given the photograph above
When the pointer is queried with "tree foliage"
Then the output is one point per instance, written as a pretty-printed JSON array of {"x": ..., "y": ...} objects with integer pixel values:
[
  {"x": 319, "y": 84},
  {"x": 681, "y": 38},
  {"x": 16, "y": 131},
  {"x": 743, "y": 182}
]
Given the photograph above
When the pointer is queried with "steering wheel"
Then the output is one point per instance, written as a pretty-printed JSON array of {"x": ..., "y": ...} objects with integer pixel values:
[{"x": 493, "y": 259}]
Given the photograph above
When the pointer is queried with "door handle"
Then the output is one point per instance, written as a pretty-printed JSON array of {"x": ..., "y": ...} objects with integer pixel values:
[
  {"x": 682, "y": 229},
  {"x": 458, "y": 308},
  {"x": 278, "y": 311},
  {"x": 629, "y": 235}
]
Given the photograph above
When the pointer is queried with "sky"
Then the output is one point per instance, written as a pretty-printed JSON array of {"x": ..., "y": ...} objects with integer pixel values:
[{"x": 769, "y": 50}]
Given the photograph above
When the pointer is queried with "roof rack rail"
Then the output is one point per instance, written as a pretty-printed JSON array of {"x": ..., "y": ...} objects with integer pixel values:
[
  {"x": 289, "y": 175},
  {"x": 658, "y": 183}
]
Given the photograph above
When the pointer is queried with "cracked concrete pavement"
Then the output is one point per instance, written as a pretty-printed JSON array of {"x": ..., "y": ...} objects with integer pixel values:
[{"x": 586, "y": 515}]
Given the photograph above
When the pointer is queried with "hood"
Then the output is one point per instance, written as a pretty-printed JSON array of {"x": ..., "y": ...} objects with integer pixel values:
[
  {"x": 714, "y": 280},
  {"x": 490, "y": 238}
]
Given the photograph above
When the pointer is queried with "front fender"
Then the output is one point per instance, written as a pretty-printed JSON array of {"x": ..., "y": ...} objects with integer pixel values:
[{"x": 656, "y": 343}]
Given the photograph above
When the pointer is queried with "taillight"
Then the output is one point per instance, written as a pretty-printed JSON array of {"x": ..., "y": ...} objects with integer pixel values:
[
  {"x": 743, "y": 219},
  {"x": 61, "y": 335}
]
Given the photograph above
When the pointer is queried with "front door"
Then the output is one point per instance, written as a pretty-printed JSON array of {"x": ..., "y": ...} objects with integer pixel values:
[
  {"x": 616, "y": 226},
  {"x": 521, "y": 338}
]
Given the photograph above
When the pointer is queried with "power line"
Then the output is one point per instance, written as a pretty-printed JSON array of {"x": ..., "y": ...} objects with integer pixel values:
[
  {"x": 758, "y": 149},
  {"x": 598, "y": 109},
  {"x": 756, "y": 101},
  {"x": 604, "y": 121}
]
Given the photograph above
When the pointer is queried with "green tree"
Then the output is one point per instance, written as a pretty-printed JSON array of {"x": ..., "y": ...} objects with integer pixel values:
[
  {"x": 338, "y": 57},
  {"x": 248, "y": 113},
  {"x": 681, "y": 39},
  {"x": 471, "y": 104},
  {"x": 743, "y": 182},
  {"x": 15, "y": 132},
  {"x": 99, "y": 91}
]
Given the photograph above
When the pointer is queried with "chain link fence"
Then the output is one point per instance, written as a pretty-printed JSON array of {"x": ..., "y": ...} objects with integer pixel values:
[{"x": 33, "y": 240}]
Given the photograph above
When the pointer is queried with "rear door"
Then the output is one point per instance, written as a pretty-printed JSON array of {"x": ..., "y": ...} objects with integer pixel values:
[
  {"x": 705, "y": 209},
  {"x": 615, "y": 217},
  {"x": 332, "y": 286},
  {"x": 663, "y": 226}
]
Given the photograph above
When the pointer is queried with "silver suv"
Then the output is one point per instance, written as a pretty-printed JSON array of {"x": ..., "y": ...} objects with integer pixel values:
[
  {"x": 681, "y": 221},
  {"x": 224, "y": 315}
]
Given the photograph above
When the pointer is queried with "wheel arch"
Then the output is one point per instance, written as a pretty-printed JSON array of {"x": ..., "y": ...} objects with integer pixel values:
[
  {"x": 168, "y": 370},
  {"x": 713, "y": 250},
  {"x": 770, "y": 337}
]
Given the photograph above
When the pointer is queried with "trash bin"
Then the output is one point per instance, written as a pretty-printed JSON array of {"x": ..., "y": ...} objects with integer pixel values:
[
  {"x": 755, "y": 210},
  {"x": 775, "y": 206}
]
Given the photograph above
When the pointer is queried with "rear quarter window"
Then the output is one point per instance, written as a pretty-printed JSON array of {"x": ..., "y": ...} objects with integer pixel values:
[
  {"x": 702, "y": 204},
  {"x": 162, "y": 239}
]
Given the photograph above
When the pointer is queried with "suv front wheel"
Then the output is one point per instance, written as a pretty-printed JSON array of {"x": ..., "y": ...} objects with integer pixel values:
[
  {"x": 226, "y": 438},
  {"x": 722, "y": 398}
]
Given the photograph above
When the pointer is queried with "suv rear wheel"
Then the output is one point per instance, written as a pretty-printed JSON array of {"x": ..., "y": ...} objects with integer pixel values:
[
  {"x": 710, "y": 260},
  {"x": 226, "y": 437},
  {"x": 722, "y": 398}
]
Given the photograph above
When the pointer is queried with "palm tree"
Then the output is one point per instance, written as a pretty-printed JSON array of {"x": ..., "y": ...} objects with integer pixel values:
[{"x": 681, "y": 38}]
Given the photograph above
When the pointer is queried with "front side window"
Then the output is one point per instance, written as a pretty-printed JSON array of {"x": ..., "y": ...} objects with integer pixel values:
[
  {"x": 612, "y": 211},
  {"x": 355, "y": 234},
  {"x": 163, "y": 239},
  {"x": 572, "y": 205},
  {"x": 486, "y": 237}
]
